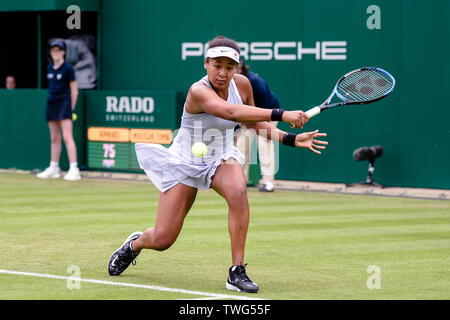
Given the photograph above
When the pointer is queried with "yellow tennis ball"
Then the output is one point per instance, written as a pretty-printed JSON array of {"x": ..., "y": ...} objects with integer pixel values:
[
  {"x": 199, "y": 149},
  {"x": 74, "y": 116}
]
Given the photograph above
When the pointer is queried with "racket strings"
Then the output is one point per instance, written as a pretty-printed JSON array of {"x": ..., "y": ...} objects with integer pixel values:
[{"x": 364, "y": 85}]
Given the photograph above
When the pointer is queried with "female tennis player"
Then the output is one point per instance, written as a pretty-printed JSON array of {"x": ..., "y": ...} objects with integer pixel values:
[
  {"x": 213, "y": 107},
  {"x": 61, "y": 101}
]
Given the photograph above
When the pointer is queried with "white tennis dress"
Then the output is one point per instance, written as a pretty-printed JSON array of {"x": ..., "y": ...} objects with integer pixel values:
[{"x": 167, "y": 167}]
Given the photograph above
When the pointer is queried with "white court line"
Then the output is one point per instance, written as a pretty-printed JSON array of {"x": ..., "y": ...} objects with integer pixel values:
[{"x": 133, "y": 285}]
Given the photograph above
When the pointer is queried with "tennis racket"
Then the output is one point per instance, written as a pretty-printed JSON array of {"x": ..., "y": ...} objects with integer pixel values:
[{"x": 361, "y": 86}]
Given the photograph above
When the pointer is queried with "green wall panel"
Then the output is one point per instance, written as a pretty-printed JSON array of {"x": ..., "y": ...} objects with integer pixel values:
[
  {"x": 141, "y": 50},
  {"x": 44, "y": 5},
  {"x": 412, "y": 44},
  {"x": 25, "y": 136}
]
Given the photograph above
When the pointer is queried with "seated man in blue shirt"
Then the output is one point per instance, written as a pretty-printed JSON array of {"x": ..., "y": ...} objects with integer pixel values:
[{"x": 264, "y": 98}]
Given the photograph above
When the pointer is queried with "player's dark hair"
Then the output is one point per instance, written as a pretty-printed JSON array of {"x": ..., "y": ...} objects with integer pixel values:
[{"x": 221, "y": 41}]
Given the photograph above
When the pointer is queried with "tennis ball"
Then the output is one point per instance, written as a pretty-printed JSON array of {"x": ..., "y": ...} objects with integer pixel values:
[
  {"x": 199, "y": 149},
  {"x": 74, "y": 116}
]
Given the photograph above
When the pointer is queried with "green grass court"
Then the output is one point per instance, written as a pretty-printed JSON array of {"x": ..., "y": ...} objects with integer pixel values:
[{"x": 300, "y": 245}]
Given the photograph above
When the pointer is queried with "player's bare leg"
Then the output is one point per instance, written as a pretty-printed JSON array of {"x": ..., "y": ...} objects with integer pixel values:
[
  {"x": 229, "y": 181},
  {"x": 173, "y": 206}
]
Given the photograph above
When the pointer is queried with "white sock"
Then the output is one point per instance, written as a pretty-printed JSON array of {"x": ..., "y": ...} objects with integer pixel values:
[
  {"x": 54, "y": 164},
  {"x": 73, "y": 165}
]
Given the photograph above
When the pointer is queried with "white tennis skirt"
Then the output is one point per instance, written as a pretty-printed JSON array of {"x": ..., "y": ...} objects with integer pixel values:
[{"x": 166, "y": 168}]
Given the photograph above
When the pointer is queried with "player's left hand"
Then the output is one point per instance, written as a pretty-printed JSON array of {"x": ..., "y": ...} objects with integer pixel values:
[{"x": 307, "y": 140}]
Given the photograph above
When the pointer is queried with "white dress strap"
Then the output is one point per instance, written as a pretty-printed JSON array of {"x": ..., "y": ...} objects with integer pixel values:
[{"x": 235, "y": 90}]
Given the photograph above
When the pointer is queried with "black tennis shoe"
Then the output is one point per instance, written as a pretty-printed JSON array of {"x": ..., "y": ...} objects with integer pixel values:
[
  {"x": 239, "y": 281},
  {"x": 122, "y": 257}
]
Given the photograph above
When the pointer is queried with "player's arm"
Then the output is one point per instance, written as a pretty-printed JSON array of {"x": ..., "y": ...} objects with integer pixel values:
[
  {"x": 267, "y": 130},
  {"x": 73, "y": 93},
  {"x": 249, "y": 98},
  {"x": 303, "y": 140},
  {"x": 204, "y": 99},
  {"x": 263, "y": 128}
]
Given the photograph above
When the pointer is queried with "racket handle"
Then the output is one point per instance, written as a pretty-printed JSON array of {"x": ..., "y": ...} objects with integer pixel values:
[{"x": 311, "y": 113}]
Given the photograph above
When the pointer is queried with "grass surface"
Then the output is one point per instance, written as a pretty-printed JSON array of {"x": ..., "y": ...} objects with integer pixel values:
[{"x": 299, "y": 246}]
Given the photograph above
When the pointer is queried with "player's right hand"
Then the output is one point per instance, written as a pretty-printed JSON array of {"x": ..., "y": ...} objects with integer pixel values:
[{"x": 296, "y": 119}]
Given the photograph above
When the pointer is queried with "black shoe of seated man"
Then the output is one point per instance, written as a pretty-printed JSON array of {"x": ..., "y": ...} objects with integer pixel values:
[
  {"x": 239, "y": 281},
  {"x": 123, "y": 256}
]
